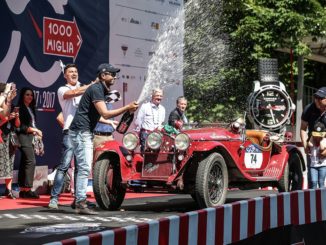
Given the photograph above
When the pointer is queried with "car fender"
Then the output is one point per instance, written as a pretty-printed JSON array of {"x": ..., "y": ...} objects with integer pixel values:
[
  {"x": 116, "y": 153},
  {"x": 294, "y": 149},
  {"x": 213, "y": 146},
  {"x": 281, "y": 158}
]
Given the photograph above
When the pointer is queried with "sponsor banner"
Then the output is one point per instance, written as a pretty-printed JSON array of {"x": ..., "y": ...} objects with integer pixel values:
[{"x": 35, "y": 35}]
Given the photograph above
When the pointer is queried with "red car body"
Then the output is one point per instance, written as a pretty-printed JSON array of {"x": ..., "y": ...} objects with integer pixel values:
[{"x": 215, "y": 160}]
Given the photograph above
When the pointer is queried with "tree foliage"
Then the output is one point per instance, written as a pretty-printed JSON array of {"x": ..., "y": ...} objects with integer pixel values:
[{"x": 251, "y": 29}]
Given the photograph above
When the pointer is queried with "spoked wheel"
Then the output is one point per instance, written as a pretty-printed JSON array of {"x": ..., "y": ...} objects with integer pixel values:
[
  {"x": 292, "y": 178},
  {"x": 211, "y": 181},
  {"x": 108, "y": 191}
]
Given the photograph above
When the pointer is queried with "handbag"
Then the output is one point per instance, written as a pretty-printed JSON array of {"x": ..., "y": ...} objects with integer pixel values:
[
  {"x": 14, "y": 140},
  {"x": 38, "y": 145}
]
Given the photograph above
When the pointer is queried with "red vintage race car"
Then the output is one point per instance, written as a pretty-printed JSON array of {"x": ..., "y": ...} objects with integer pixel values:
[{"x": 203, "y": 162}]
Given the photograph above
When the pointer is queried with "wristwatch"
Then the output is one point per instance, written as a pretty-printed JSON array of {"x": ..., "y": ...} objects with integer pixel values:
[{"x": 270, "y": 106}]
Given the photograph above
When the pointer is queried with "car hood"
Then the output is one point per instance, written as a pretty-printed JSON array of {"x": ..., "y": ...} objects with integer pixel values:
[{"x": 201, "y": 134}]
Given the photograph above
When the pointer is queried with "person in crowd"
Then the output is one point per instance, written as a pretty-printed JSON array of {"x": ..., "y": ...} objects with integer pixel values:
[
  {"x": 177, "y": 117},
  {"x": 151, "y": 115},
  {"x": 311, "y": 114},
  {"x": 8, "y": 121},
  {"x": 317, "y": 146},
  {"x": 91, "y": 108},
  {"x": 26, "y": 133},
  {"x": 5, "y": 90},
  {"x": 69, "y": 96}
]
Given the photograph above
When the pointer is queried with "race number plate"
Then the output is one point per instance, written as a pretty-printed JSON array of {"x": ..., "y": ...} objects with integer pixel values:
[{"x": 253, "y": 157}]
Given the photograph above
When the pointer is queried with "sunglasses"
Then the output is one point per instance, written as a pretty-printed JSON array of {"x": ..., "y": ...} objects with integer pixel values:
[
  {"x": 113, "y": 74},
  {"x": 319, "y": 98}
]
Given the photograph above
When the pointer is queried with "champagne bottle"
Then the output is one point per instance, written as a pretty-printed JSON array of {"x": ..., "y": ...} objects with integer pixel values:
[{"x": 125, "y": 122}]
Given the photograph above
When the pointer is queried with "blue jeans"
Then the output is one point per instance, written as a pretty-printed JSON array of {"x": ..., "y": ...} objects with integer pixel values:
[
  {"x": 317, "y": 175},
  {"x": 62, "y": 169},
  {"x": 82, "y": 142}
]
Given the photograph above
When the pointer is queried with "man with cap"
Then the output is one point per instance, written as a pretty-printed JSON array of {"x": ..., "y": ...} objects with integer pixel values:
[
  {"x": 312, "y": 113},
  {"x": 91, "y": 108},
  {"x": 317, "y": 146}
]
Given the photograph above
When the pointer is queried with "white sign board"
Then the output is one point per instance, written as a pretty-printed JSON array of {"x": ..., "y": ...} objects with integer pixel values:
[{"x": 135, "y": 30}]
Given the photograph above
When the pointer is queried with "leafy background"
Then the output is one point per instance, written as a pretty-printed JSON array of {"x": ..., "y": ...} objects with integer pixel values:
[{"x": 225, "y": 39}]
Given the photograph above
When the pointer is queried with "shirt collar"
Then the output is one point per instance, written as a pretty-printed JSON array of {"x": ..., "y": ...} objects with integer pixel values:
[{"x": 153, "y": 105}]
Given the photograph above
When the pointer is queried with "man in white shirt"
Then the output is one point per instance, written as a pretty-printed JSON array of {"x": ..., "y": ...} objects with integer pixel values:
[
  {"x": 69, "y": 96},
  {"x": 151, "y": 115}
]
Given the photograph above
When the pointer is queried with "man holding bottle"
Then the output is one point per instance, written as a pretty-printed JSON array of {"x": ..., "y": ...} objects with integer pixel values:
[{"x": 91, "y": 107}]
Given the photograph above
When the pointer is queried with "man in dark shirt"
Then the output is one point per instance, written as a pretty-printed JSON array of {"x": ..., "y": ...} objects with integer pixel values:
[
  {"x": 178, "y": 117},
  {"x": 91, "y": 108},
  {"x": 312, "y": 113}
]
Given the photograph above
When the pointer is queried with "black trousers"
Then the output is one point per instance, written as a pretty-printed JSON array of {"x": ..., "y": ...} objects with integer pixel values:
[
  {"x": 142, "y": 138},
  {"x": 27, "y": 166}
]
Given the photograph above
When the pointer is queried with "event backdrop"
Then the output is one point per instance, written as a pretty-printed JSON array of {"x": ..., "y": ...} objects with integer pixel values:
[{"x": 37, "y": 34}]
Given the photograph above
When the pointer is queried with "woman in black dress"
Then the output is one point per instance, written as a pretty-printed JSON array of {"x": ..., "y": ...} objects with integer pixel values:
[{"x": 26, "y": 133}]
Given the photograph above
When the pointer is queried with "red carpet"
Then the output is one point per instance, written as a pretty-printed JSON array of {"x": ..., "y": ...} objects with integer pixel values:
[{"x": 66, "y": 198}]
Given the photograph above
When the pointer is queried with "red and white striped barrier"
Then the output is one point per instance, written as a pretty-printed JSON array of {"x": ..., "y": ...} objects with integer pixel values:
[{"x": 222, "y": 225}]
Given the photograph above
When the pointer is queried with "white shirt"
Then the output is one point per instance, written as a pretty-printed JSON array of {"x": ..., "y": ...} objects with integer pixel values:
[
  {"x": 68, "y": 106},
  {"x": 150, "y": 116}
]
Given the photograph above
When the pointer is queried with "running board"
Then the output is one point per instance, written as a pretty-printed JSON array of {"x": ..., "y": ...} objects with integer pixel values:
[{"x": 266, "y": 178}]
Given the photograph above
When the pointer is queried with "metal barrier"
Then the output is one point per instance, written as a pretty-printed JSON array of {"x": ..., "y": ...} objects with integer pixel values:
[{"x": 225, "y": 224}]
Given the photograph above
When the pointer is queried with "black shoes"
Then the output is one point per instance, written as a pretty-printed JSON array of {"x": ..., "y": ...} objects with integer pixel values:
[
  {"x": 82, "y": 208},
  {"x": 9, "y": 194},
  {"x": 29, "y": 194},
  {"x": 88, "y": 203}
]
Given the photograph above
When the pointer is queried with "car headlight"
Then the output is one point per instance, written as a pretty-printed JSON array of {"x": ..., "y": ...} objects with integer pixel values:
[
  {"x": 130, "y": 141},
  {"x": 182, "y": 142},
  {"x": 154, "y": 140}
]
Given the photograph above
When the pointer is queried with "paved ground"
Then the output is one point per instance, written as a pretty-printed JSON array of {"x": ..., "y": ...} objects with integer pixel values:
[{"x": 41, "y": 225}]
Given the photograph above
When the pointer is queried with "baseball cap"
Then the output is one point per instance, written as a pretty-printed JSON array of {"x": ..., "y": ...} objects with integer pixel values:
[
  {"x": 105, "y": 67},
  {"x": 319, "y": 130},
  {"x": 321, "y": 93}
]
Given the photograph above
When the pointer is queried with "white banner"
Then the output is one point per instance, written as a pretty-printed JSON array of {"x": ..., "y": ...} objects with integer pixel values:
[{"x": 143, "y": 34}]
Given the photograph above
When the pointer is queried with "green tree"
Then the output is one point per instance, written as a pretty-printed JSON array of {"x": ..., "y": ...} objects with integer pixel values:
[{"x": 251, "y": 29}]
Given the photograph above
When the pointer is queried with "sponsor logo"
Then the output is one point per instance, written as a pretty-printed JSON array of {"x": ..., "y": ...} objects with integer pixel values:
[
  {"x": 124, "y": 49},
  {"x": 253, "y": 149},
  {"x": 64, "y": 228},
  {"x": 175, "y": 2},
  {"x": 138, "y": 53},
  {"x": 126, "y": 76},
  {"x": 124, "y": 19},
  {"x": 130, "y": 20},
  {"x": 61, "y": 37},
  {"x": 155, "y": 25},
  {"x": 135, "y": 21}
]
